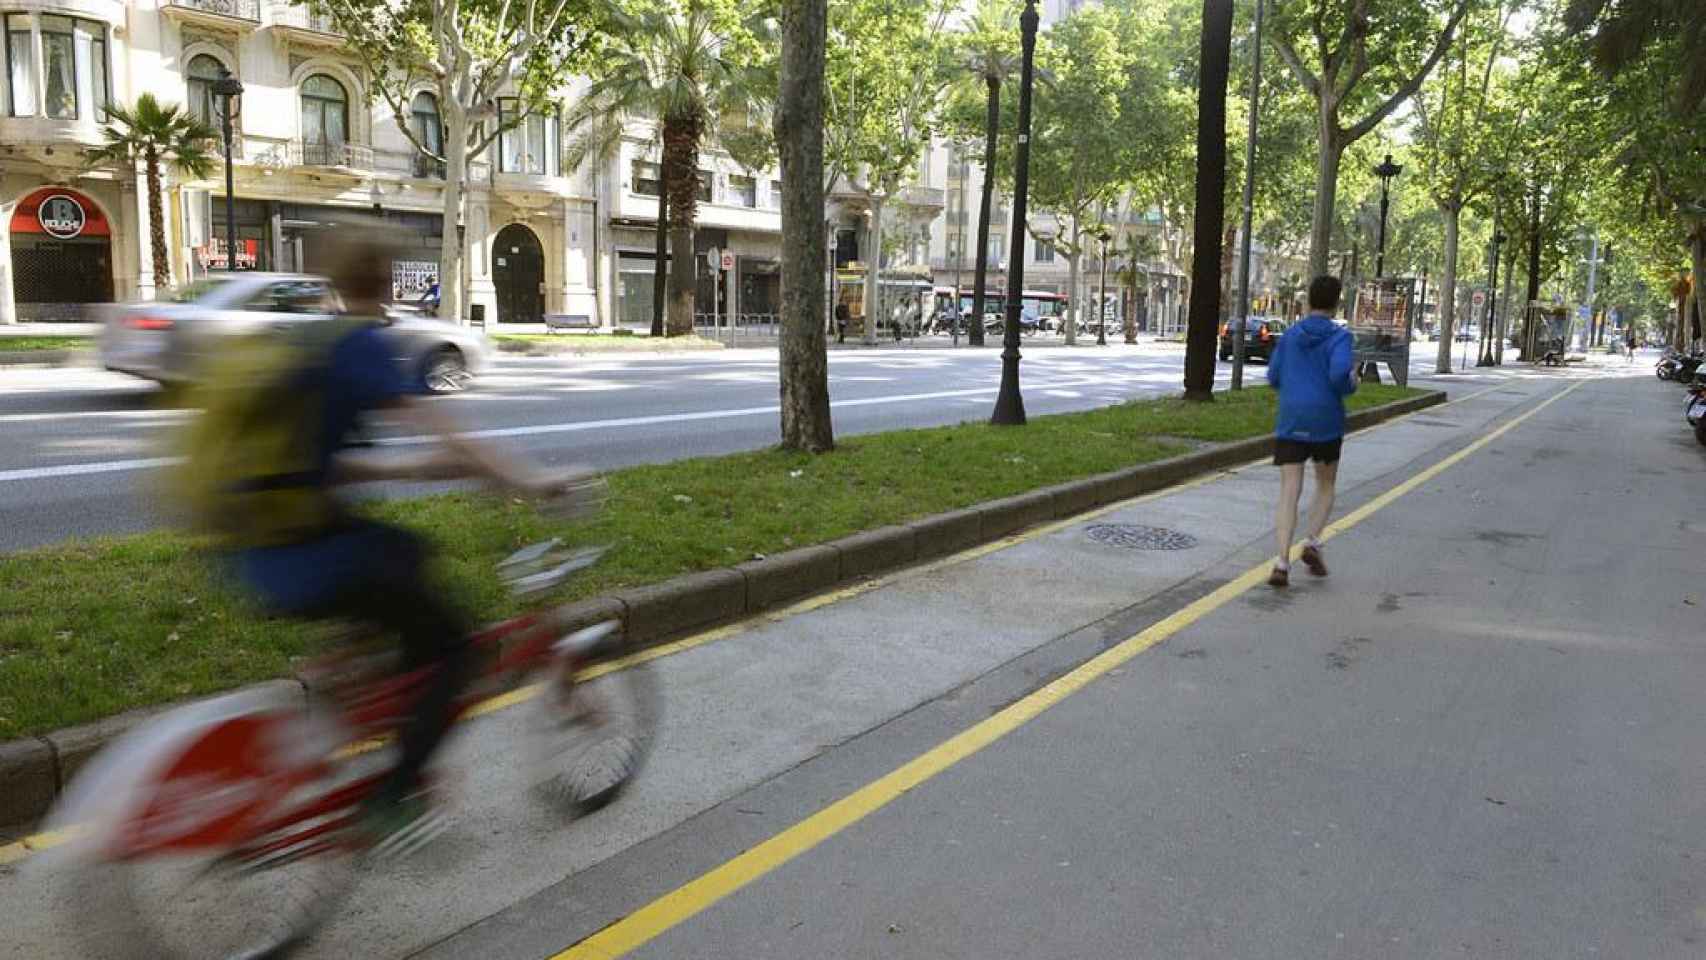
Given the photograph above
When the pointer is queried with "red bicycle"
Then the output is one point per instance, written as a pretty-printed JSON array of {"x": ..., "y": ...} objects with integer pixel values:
[{"x": 223, "y": 829}]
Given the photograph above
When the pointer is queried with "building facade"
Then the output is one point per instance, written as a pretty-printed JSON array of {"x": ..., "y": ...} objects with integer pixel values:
[{"x": 312, "y": 149}]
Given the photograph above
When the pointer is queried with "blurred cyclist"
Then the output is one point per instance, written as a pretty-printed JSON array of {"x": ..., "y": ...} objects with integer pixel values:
[{"x": 264, "y": 461}]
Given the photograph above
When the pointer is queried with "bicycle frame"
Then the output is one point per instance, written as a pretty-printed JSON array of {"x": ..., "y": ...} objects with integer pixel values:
[{"x": 237, "y": 769}]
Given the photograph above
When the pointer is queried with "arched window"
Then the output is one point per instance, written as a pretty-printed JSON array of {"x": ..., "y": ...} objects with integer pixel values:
[
  {"x": 325, "y": 121},
  {"x": 202, "y": 72},
  {"x": 425, "y": 124}
]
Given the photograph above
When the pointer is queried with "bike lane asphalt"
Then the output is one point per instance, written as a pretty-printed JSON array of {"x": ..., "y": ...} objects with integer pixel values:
[
  {"x": 1479, "y": 737},
  {"x": 1279, "y": 764},
  {"x": 771, "y": 722}
]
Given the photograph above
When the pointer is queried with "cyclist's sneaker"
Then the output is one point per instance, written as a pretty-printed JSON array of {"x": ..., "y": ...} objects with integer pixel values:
[{"x": 399, "y": 830}]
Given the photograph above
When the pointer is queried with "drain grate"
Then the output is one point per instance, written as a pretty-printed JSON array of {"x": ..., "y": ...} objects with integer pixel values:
[{"x": 1137, "y": 536}]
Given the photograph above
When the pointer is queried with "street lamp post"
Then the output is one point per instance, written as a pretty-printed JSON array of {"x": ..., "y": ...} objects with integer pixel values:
[
  {"x": 1386, "y": 171},
  {"x": 1491, "y": 320},
  {"x": 1009, "y": 405},
  {"x": 1102, "y": 237},
  {"x": 228, "y": 88},
  {"x": 1240, "y": 314}
]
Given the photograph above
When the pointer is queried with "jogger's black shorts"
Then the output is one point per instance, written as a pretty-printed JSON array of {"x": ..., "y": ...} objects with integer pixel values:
[{"x": 1297, "y": 451}]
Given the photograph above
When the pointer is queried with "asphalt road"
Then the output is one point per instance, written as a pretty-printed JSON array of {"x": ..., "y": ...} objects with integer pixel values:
[
  {"x": 1478, "y": 737},
  {"x": 81, "y": 445}
]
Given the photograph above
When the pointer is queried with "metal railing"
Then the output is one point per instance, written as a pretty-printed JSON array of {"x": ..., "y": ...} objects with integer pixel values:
[
  {"x": 304, "y": 19},
  {"x": 737, "y": 325},
  {"x": 315, "y": 153},
  {"x": 236, "y": 9}
]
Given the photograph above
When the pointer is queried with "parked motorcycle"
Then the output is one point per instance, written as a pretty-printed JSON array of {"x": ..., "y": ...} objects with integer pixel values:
[
  {"x": 1678, "y": 366},
  {"x": 1695, "y": 409}
]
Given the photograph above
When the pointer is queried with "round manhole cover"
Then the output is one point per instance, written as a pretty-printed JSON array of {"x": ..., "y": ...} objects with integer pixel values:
[{"x": 1137, "y": 536}]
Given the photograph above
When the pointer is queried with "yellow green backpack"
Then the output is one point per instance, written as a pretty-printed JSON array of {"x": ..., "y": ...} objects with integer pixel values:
[{"x": 250, "y": 470}]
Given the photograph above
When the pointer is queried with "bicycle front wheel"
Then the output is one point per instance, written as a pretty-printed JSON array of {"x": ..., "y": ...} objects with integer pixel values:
[{"x": 593, "y": 728}]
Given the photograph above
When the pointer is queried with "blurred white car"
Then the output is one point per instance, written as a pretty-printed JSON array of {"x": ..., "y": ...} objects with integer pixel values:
[{"x": 168, "y": 340}]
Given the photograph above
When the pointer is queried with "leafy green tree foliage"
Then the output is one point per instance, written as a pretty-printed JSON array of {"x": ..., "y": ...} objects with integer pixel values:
[{"x": 467, "y": 52}]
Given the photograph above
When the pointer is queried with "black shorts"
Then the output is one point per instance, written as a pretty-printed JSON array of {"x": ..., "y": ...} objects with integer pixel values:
[{"x": 1297, "y": 451}]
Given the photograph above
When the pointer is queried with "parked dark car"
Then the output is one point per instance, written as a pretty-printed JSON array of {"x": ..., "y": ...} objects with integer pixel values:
[{"x": 1259, "y": 338}]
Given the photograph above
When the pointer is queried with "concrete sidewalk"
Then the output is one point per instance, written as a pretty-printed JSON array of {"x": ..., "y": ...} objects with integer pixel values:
[{"x": 763, "y": 699}]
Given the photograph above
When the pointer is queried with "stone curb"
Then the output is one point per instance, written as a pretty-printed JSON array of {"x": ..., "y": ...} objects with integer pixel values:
[
  {"x": 44, "y": 358},
  {"x": 34, "y": 770}
]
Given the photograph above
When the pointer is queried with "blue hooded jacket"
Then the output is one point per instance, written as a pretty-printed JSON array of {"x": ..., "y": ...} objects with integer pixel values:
[{"x": 1311, "y": 369}]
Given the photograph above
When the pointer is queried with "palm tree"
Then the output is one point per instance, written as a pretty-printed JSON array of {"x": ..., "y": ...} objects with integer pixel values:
[
  {"x": 153, "y": 134},
  {"x": 669, "y": 64},
  {"x": 1136, "y": 249},
  {"x": 989, "y": 53}
]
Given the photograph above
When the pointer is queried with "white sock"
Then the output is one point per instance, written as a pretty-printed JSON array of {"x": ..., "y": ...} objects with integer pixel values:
[
  {"x": 1283, "y": 565},
  {"x": 1312, "y": 542}
]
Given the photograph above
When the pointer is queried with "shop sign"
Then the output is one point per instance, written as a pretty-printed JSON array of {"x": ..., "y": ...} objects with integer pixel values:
[
  {"x": 61, "y": 216},
  {"x": 59, "y": 213}
]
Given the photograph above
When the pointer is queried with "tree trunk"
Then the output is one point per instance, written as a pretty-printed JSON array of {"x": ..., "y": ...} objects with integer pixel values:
[
  {"x": 806, "y": 422},
  {"x": 1697, "y": 250},
  {"x": 660, "y": 272},
  {"x": 1504, "y": 317},
  {"x": 873, "y": 272},
  {"x": 680, "y": 167},
  {"x": 455, "y": 121},
  {"x": 1329, "y": 151},
  {"x": 1072, "y": 299},
  {"x": 1448, "y": 289},
  {"x": 157, "y": 228},
  {"x": 992, "y": 123},
  {"x": 1211, "y": 200}
]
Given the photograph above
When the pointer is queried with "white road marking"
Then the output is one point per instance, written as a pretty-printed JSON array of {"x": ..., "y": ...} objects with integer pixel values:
[{"x": 151, "y": 463}]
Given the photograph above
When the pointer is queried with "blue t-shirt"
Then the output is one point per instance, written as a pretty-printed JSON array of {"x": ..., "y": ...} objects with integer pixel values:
[{"x": 361, "y": 373}]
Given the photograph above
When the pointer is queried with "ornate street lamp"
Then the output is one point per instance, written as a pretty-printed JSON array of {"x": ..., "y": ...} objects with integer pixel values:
[
  {"x": 1386, "y": 171},
  {"x": 1491, "y": 330},
  {"x": 1009, "y": 405},
  {"x": 228, "y": 89},
  {"x": 1102, "y": 237}
]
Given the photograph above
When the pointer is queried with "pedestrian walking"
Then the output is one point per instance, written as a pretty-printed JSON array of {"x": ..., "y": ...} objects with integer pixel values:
[
  {"x": 1630, "y": 343},
  {"x": 842, "y": 316},
  {"x": 1313, "y": 370}
]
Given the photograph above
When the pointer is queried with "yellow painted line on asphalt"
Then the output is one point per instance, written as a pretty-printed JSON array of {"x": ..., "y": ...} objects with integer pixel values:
[
  {"x": 655, "y": 918},
  {"x": 20, "y": 849}
]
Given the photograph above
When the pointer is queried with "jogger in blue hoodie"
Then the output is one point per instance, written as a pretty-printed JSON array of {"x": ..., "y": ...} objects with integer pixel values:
[{"x": 1313, "y": 371}]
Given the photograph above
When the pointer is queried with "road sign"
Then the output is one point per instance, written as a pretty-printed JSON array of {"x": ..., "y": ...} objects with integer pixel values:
[
  {"x": 713, "y": 257},
  {"x": 1479, "y": 299},
  {"x": 728, "y": 260}
]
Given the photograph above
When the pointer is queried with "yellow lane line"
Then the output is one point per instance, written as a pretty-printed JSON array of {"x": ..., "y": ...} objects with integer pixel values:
[
  {"x": 20, "y": 849},
  {"x": 688, "y": 900}
]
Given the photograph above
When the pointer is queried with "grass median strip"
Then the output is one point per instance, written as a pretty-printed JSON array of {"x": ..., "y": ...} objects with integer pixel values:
[
  {"x": 91, "y": 628},
  {"x": 33, "y": 344}
]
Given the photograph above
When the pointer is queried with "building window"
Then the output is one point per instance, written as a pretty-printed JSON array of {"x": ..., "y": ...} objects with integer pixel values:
[
  {"x": 59, "y": 68},
  {"x": 704, "y": 186},
  {"x": 745, "y": 190},
  {"x": 526, "y": 143},
  {"x": 995, "y": 249},
  {"x": 1045, "y": 251},
  {"x": 21, "y": 64},
  {"x": 72, "y": 73},
  {"x": 428, "y": 129},
  {"x": 203, "y": 71},
  {"x": 648, "y": 178},
  {"x": 325, "y": 121},
  {"x": 776, "y": 194}
]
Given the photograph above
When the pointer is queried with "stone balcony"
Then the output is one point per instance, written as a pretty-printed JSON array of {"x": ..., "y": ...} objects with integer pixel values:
[{"x": 239, "y": 15}]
